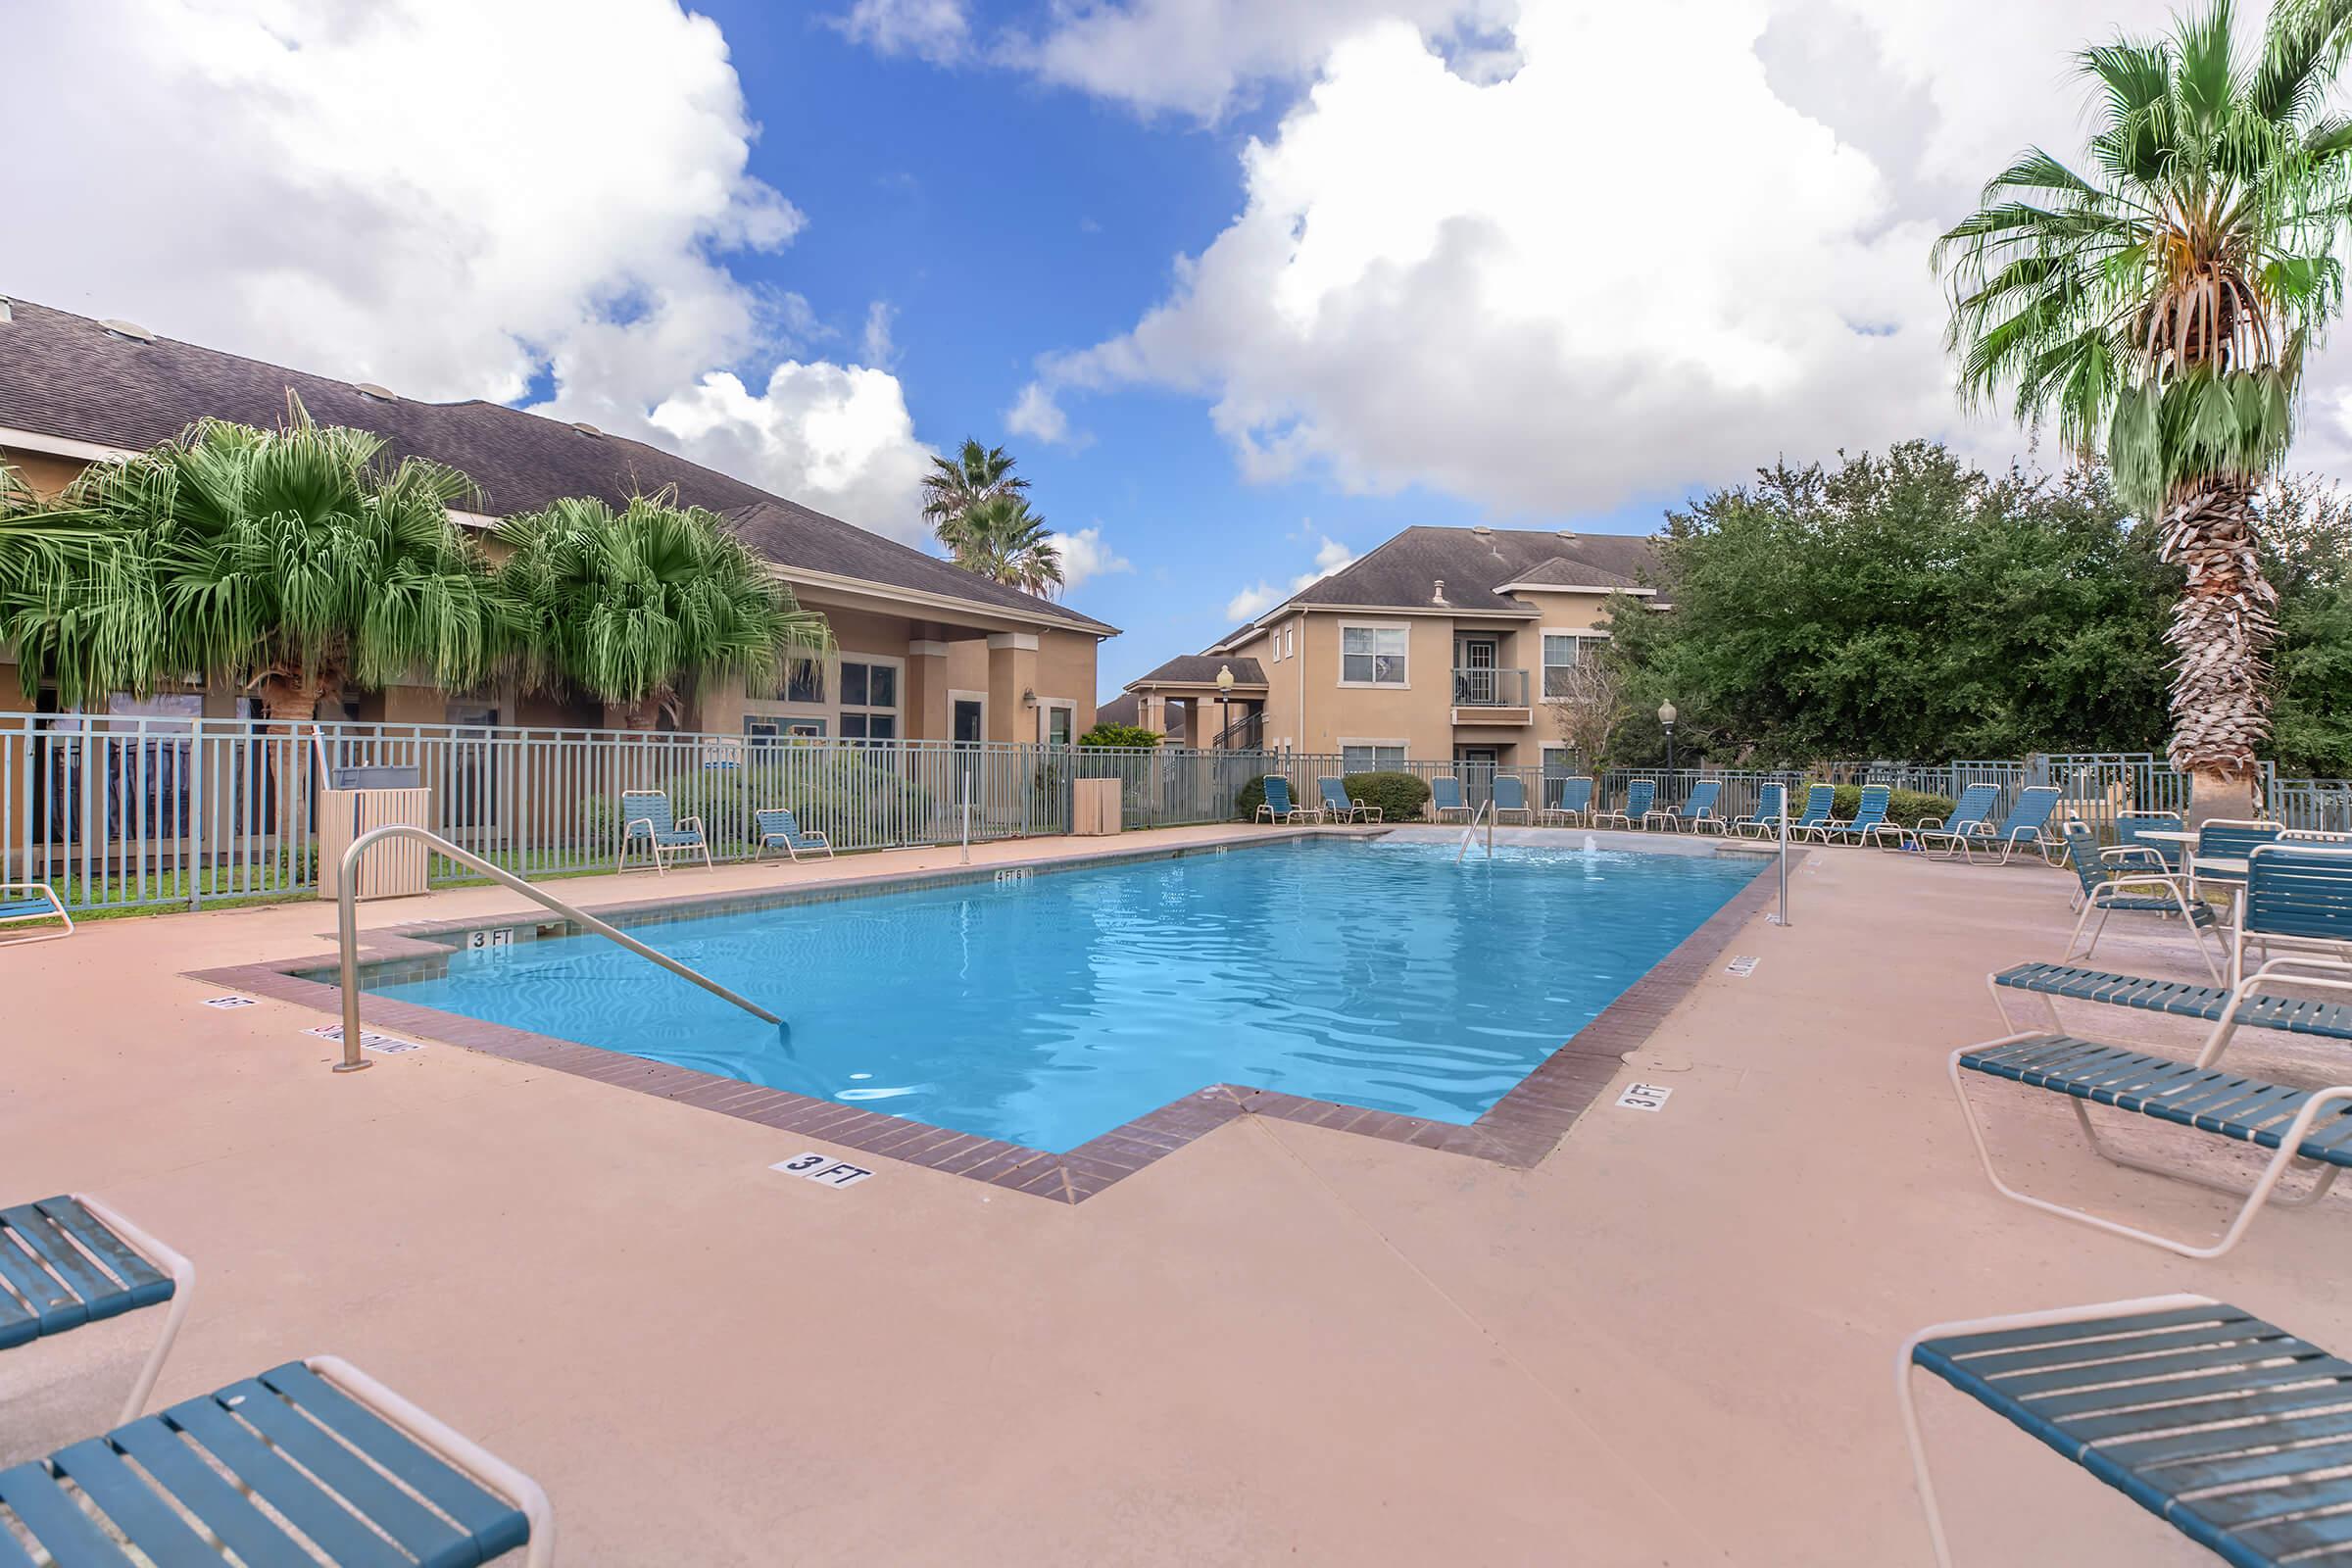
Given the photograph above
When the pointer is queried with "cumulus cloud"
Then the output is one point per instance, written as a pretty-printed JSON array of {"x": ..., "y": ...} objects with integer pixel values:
[
  {"x": 436, "y": 195},
  {"x": 1262, "y": 595},
  {"x": 932, "y": 29},
  {"x": 1036, "y": 414},
  {"x": 1084, "y": 556}
]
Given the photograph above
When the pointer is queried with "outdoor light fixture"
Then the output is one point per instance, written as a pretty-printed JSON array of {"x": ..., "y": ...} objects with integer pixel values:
[
  {"x": 1224, "y": 680},
  {"x": 1028, "y": 697},
  {"x": 1666, "y": 717}
]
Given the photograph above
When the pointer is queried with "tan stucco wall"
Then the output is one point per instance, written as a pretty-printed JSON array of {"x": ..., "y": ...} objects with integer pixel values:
[{"x": 44, "y": 474}]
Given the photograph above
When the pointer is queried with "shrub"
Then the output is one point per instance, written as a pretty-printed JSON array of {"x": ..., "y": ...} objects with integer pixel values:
[
  {"x": 1902, "y": 805},
  {"x": 1400, "y": 797},
  {"x": 1120, "y": 737},
  {"x": 1253, "y": 795},
  {"x": 831, "y": 790}
]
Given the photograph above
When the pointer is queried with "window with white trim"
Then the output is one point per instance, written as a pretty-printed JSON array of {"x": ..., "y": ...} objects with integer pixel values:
[
  {"x": 1372, "y": 655},
  {"x": 1563, "y": 651},
  {"x": 870, "y": 700},
  {"x": 1371, "y": 759}
]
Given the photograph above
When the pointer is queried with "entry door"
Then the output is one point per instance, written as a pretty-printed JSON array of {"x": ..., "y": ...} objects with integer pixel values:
[
  {"x": 1476, "y": 764},
  {"x": 1477, "y": 679},
  {"x": 967, "y": 721}
]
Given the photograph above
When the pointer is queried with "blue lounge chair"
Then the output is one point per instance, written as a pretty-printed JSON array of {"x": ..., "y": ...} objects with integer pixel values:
[
  {"x": 2224, "y": 838},
  {"x": 1639, "y": 794},
  {"x": 2186, "y": 999},
  {"x": 2027, "y": 822},
  {"x": 644, "y": 814},
  {"x": 1765, "y": 822},
  {"x": 2109, "y": 889},
  {"x": 1445, "y": 795},
  {"x": 32, "y": 904},
  {"x": 70, "y": 1260},
  {"x": 1697, "y": 811},
  {"x": 1336, "y": 802},
  {"x": 779, "y": 829},
  {"x": 1510, "y": 795},
  {"x": 2309, "y": 1128},
  {"x": 1870, "y": 816},
  {"x": 1575, "y": 802},
  {"x": 1278, "y": 806},
  {"x": 1820, "y": 800},
  {"x": 2131, "y": 849},
  {"x": 2231, "y": 1430},
  {"x": 1967, "y": 820},
  {"x": 343, "y": 1464},
  {"x": 2298, "y": 899}
]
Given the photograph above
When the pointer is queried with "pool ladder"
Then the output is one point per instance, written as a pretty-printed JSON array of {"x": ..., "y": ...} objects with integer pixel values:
[
  {"x": 1486, "y": 814},
  {"x": 347, "y": 929}
]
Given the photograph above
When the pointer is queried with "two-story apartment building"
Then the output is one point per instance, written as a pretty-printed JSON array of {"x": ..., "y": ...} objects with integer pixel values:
[
  {"x": 927, "y": 651},
  {"x": 1442, "y": 644}
]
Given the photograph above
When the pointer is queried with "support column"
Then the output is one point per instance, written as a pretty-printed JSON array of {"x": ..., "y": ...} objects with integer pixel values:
[
  {"x": 925, "y": 702},
  {"x": 1011, "y": 672}
]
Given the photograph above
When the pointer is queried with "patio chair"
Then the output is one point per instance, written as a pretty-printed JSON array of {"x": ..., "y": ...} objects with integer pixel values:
[
  {"x": 1697, "y": 811},
  {"x": 2130, "y": 849},
  {"x": 2181, "y": 999},
  {"x": 348, "y": 1471},
  {"x": 2107, "y": 890},
  {"x": 1639, "y": 794},
  {"x": 2028, "y": 823},
  {"x": 28, "y": 903},
  {"x": 1965, "y": 820},
  {"x": 2301, "y": 1127},
  {"x": 2227, "y": 838},
  {"x": 1336, "y": 803},
  {"x": 2231, "y": 1430},
  {"x": 2298, "y": 899},
  {"x": 1765, "y": 822},
  {"x": 646, "y": 814},
  {"x": 1870, "y": 816},
  {"x": 1445, "y": 795},
  {"x": 70, "y": 1260},
  {"x": 1278, "y": 806},
  {"x": 779, "y": 829},
  {"x": 1510, "y": 795},
  {"x": 1576, "y": 800}
]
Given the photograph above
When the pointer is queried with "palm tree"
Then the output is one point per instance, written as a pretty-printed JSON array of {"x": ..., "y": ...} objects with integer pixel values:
[
  {"x": 1000, "y": 539},
  {"x": 2159, "y": 306},
  {"x": 285, "y": 561},
  {"x": 642, "y": 607},
  {"x": 954, "y": 486}
]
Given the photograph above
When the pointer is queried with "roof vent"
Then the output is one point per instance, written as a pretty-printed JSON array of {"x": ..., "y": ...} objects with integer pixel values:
[
  {"x": 1568, "y": 534},
  {"x": 369, "y": 389},
  {"x": 5, "y": 314},
  {"x": 1437, "y": 595},
  {"x": 129, "y": 331},
  {"x": 585, "y": 428},
  {"x": 1481, "y": 529}
]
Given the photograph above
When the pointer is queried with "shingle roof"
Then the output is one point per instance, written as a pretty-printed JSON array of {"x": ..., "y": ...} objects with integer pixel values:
[
  {"x": 1475, "y": 563},
  {"x": 1200, "y": 669},
  {"x": 66, "y": 375}
]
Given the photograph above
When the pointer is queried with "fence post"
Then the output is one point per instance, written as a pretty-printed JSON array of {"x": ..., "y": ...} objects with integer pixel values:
[{"x": 195, "y": 833}]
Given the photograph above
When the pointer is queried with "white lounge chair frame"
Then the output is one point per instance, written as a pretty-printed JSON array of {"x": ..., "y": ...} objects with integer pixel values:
[
  {"x": 2114, "y": 888},
  {"x": 55, "y": 912},
  {"x": 664, "y": 854},
  {"x": 2264, "y": 1189}
]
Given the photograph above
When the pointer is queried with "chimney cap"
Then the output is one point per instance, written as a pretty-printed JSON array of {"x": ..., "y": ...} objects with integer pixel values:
[{"x": 1437, "y": 593}]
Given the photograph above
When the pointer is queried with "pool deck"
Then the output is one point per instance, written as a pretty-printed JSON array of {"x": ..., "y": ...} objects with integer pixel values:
[{"x": 1669, "y": 1340}]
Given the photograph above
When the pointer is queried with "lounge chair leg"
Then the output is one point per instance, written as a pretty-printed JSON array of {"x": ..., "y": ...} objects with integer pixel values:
[
  {"x": 183, "y": 1281},
  {"x": 1907, "y": 1396},
  {"x": 2212, "y": 1184},
  {"x": 2256, "y": 1198}
]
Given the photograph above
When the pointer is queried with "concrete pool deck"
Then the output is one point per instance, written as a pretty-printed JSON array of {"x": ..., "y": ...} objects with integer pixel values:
[{"x": 1669, "y": 1341}]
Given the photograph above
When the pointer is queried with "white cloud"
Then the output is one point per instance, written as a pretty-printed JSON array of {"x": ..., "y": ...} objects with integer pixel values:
[
  {"x": 1262, "y": 595},
  {"x": 876, "y": 345},
  {"x": 1036, "y": 414},
  {"x": 437, "y": 195},
  {"x": 933, "y": 30},
  {"x": 836, "y": 438},
  {"x": 1085, "y": 556}
]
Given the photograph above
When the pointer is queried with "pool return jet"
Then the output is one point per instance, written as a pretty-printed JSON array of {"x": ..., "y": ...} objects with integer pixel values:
[{"x": 347, "y": 929}]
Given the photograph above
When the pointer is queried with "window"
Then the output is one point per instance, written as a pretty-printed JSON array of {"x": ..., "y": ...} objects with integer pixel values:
[
  {"x": 767, "y": 729},
  {"x": 1057, "y": 723},
  {"x": 1371, "y": 759},
  {"x": 806, "y": 683},
  {"x": 1289, "y": 640},
  {"x": 1563, "y": 651},
  {"x": 870, "y": 700},
  {"x": 1372, "y": 655}
]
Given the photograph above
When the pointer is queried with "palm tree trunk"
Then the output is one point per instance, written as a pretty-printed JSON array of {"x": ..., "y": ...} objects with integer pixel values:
[{"x": 2222, "y": 630}]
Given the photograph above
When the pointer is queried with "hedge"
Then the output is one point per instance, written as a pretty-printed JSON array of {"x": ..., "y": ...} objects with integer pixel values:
[
  {"x": 1399, "y": 796},
  {"x": 1902, "y": 805}
]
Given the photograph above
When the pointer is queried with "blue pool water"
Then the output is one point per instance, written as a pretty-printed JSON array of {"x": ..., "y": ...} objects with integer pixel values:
[{"x": 1046, "y": 1011}]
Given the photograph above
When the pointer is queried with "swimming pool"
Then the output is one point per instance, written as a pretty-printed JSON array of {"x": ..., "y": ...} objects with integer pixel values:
[{"x": 1047, "y": 1009}]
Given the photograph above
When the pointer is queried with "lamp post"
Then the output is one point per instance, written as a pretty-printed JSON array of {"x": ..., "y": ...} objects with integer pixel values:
[
  {"x": 1666, "y": 717},
  {"x": 1224, "y": 701}
]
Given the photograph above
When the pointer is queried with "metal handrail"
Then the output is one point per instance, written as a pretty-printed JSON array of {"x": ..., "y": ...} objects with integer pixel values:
[
  {"x": 1486, "y": 811},
  {"x": 347, "y": 929}
]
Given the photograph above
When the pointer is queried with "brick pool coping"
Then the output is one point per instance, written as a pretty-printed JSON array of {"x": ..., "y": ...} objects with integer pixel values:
[{"x": 1519, "y": 1130}]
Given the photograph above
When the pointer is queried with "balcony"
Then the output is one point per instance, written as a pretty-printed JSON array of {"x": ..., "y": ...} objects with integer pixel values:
[{"x": 1491, "y": 696}]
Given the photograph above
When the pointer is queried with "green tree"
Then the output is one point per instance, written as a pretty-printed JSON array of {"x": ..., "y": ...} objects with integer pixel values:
[
  {"x": 1120, "y": 737},
  {"x": 643, "y": 608},
  {"x": 2160, "y": 306},
  {"x": 1904, "y": 605},
  {"x": 288, "y": 561},
  {"x": 955, "y": 485},
  {"x": 1002, "y": 540},
  {"x": 2305, "y": 529}
]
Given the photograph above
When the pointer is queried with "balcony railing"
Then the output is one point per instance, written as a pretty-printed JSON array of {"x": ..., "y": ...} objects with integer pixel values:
[{"x": 1490, "y": 688}]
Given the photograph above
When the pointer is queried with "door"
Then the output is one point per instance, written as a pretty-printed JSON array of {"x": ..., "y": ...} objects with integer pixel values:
[
  {"x": 1474, "y": 682},
  {"x": 1476, "y": 764},
  {"x": 968, "y": 721},
  {"x": 469, "y": 782}
]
